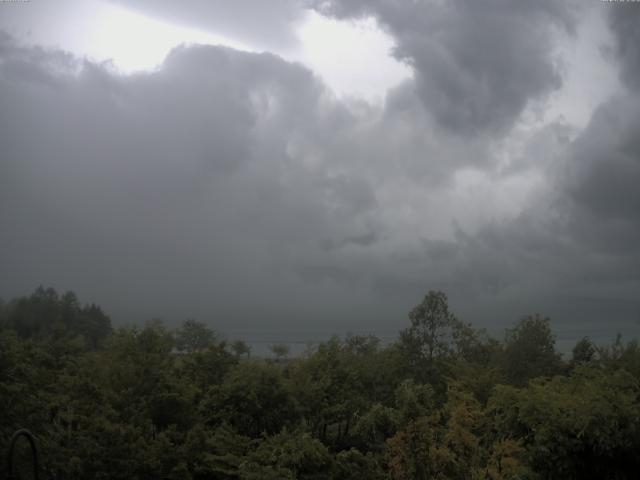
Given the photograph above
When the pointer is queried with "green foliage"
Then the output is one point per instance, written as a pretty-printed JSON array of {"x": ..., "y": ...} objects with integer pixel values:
[
  {"x": 437, "y": 342},
  {"x": 194, "y": 336},
  {"x": 530, "y": 351},
  {"x": 441, "y": 445},
  {"x": 216, "y": 453},
  {"x": 433, "y": 328},
  {"x": 414, "y": 400},
  {"x": 45, "y": 315},
  {"x": 583, "y": 352},
  {"x": 252, "y": 399},
  {"x": 622, "y": 356},
  {"x": 287, "y": 455},
  {"x": 240, "y": 348},
  {"x": 375, "y": 426},
  {"x": 336, "y": 384},
  {"x": 445, "y": 402},
  {"x": 353, "y": 465},
  {"x": 280, "y": 351},
  {"x": 415, "y": 453},
  {"x": 207, "y": 368},
  {"x": 583, "y": 426}
]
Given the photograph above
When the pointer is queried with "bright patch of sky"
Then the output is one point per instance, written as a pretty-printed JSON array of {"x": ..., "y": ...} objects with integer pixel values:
[
  {"x": 353, "y": 58},
  {"x": 101, "y": 31},
  {"x": 590, "y": 77}
]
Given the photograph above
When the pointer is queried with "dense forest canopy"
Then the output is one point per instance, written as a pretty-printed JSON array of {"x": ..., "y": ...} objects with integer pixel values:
[{"x": 444, "y": 401}]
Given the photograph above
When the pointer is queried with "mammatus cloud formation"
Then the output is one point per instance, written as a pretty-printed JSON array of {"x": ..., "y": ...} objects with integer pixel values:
[{"x": 236, "y": 188}]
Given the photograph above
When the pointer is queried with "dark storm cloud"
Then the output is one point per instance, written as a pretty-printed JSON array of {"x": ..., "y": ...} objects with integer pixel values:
[
  {"x": 477, "y": 63},
  {"x": 263, "y": 24},
  {"x": 578, "y": 240},
  {"x": 604, "y": 172},
  {"x": 198, "y": 188},
  {"x": 624, "y": 21},
  {"x": 224, "y": 184},
  {"x": 236, "y": 188},
  {"x": 601, "y": 175},
  {"x": 574, "y": 252}
]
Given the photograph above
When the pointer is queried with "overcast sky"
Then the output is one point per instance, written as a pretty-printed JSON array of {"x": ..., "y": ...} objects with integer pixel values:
[{"x": 309, "y": 167}]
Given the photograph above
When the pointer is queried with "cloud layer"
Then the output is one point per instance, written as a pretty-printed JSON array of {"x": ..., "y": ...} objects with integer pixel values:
[
  {"x": 477, "y": 64},
  {"x": 236, "y": 188}
]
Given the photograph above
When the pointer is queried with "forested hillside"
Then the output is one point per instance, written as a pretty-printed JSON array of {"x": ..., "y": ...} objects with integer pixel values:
[{"x": 445, "y": 401}]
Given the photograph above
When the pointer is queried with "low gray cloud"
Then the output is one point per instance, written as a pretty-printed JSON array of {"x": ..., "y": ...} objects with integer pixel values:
[{"x": 477, "y": 64}]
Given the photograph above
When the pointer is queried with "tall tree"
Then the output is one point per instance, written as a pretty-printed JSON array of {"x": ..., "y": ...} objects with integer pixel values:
[
  {"x": 584, "y": 351},
  {"x": 193, "y": 336},
  {"x": 280, "y": 350},
  {"x": 530, "y": 351},
  {"x": 47, "y": 316},
  {"x": 433, "y": 327},
  {"x": 240, "y": 348}
]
